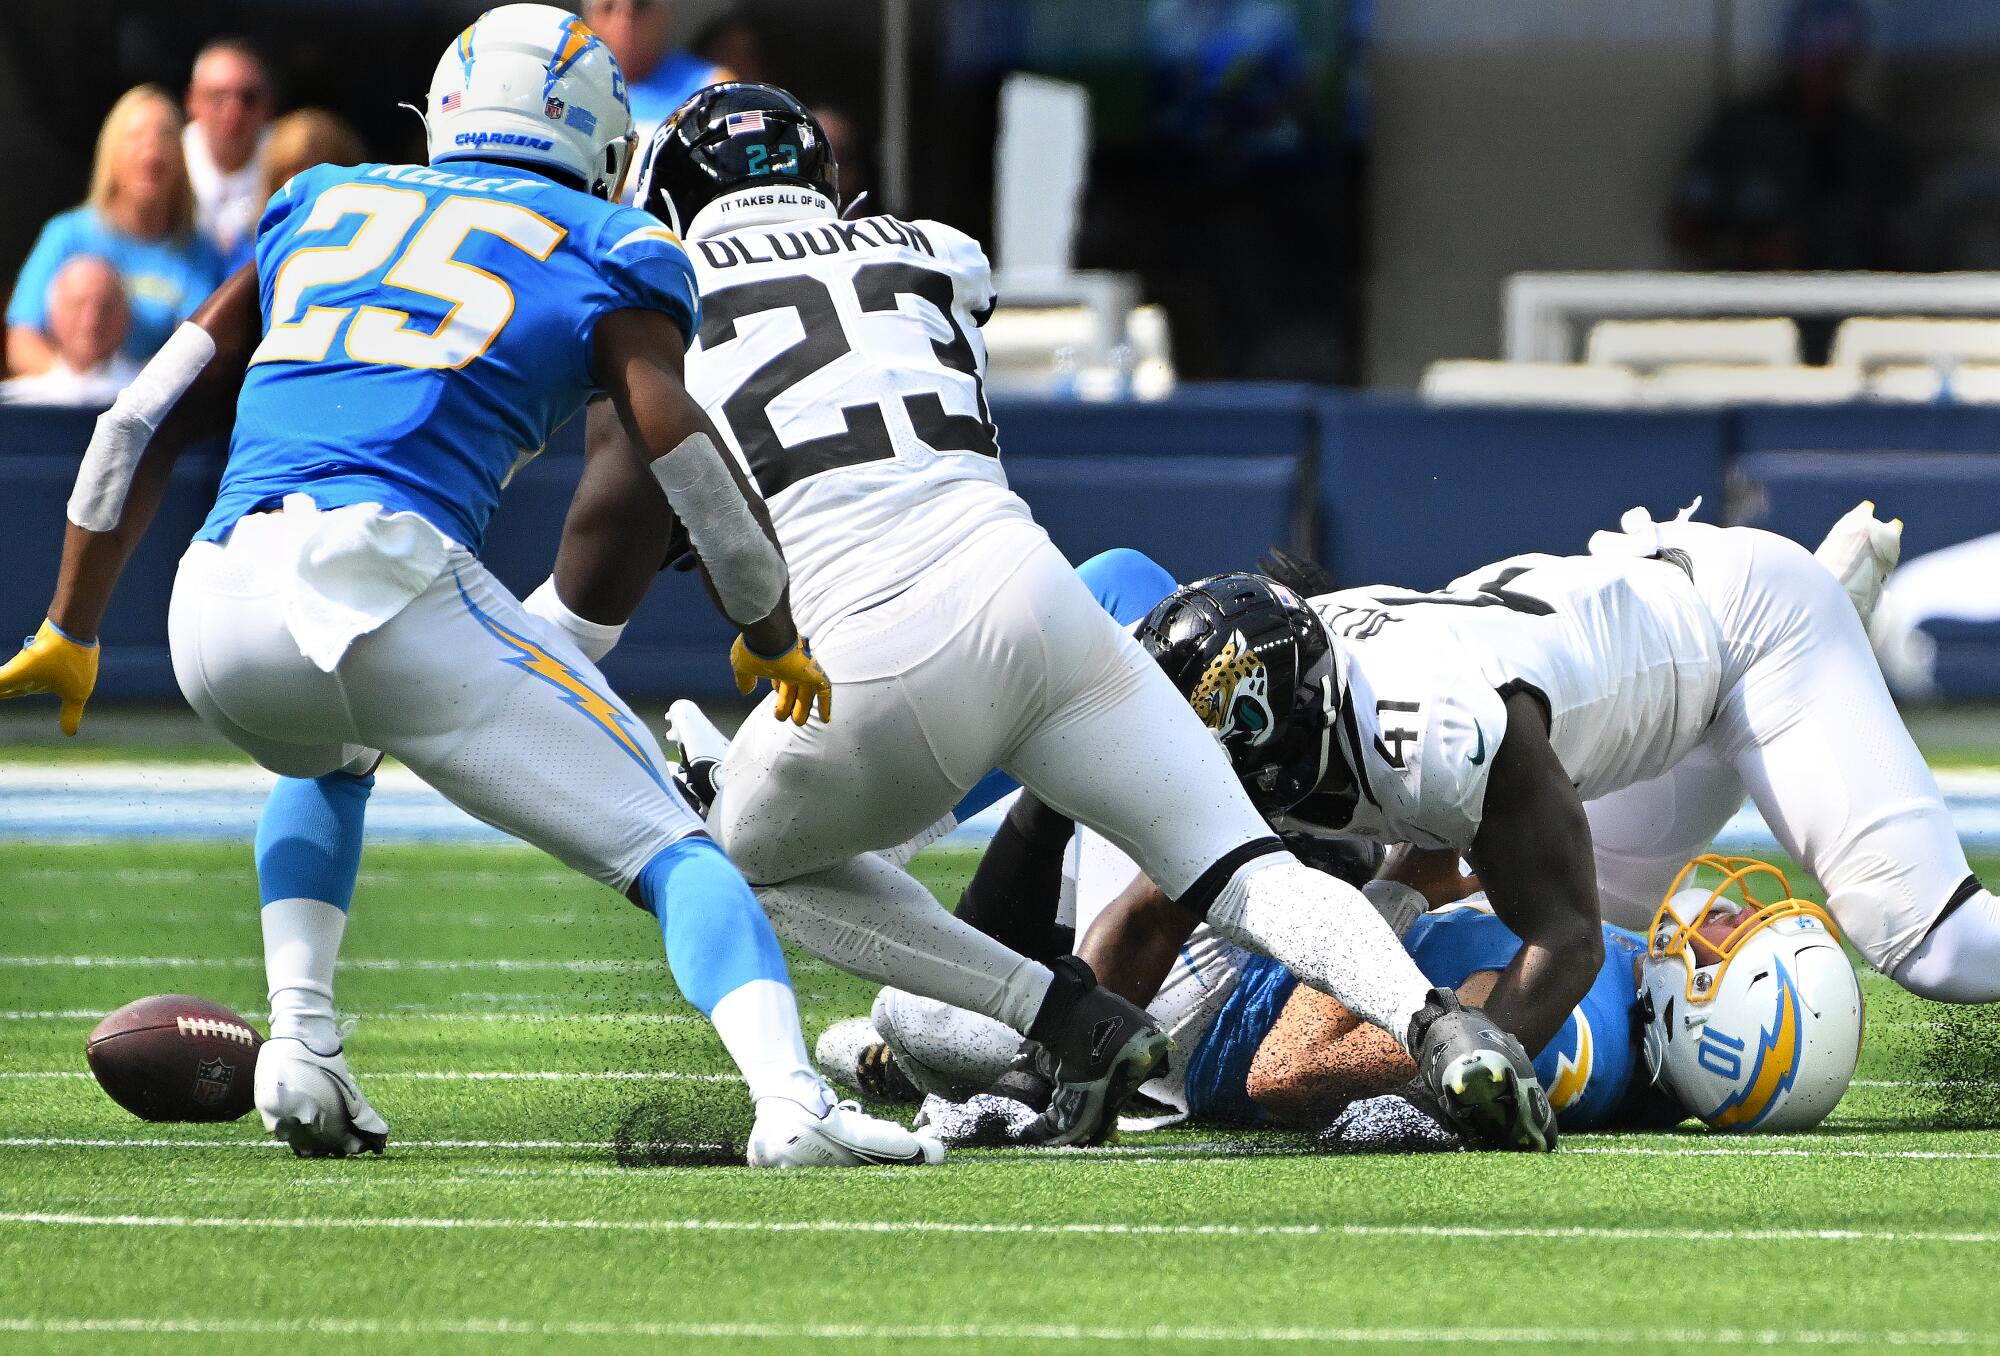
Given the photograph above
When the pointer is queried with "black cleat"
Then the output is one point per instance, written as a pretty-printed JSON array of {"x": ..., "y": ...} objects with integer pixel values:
[
  {"x": 1478, "y": 1078},
  {"x": 1097, "y": 1049}
]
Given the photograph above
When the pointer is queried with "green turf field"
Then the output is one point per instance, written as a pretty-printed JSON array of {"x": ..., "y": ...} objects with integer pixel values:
[{"x": 513, "y": 1017}]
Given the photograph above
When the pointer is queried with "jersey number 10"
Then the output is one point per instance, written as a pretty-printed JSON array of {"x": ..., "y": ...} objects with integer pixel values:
[{"x": 481, "y": 304}]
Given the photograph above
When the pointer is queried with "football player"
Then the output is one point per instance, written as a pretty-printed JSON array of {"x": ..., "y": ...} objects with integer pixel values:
[
  {"x": 1578, "y": 727},
  {"x": 1742, "y": 1012},
  {"x": 406, "y": 334},
  {"x": 841, "y": 361}
]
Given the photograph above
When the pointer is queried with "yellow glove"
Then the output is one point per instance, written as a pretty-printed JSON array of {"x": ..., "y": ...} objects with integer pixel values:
[
  {"x": 50, "y": 661},
  {"x": 796, "y": 675}
]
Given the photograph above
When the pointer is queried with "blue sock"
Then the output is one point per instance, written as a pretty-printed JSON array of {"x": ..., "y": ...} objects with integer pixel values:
[
  {"x": 1126, "y": 583},
  {"x": 717, "y": 936},
  {"x": 309, "y": 838}
]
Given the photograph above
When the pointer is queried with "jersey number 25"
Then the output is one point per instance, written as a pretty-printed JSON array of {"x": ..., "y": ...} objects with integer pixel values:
[{"x": 481, "y": 304}]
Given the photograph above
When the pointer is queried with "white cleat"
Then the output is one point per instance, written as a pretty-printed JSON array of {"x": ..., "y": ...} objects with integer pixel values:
[
  {"x": 702, "y": 750},
  {"x": 1861, "y": 553},
  {"x": 789, "y": 1134},
  {"x": 853, "y": 1054},
  {"x": 311, "y": 1102}
]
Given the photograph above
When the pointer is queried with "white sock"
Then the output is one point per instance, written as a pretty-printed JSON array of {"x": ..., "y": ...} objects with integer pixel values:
[
  {"x": 901, "y": 854},
  {"x": 874, "y": 919},
  {"x": 943, "y": 1049},
  {"x": 759, "y": 1026},
  {"x": 1325, "y": 932},
  {"x": 301, "y": 945}
]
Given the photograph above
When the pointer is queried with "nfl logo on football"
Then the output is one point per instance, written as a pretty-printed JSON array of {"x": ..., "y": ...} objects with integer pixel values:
[{"x": 212, "y": 1078}]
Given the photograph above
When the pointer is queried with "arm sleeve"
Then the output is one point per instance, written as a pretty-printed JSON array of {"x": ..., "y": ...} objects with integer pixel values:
[
  {"x": 646, "y": 269},
  {"x": 30, "y": 303}
]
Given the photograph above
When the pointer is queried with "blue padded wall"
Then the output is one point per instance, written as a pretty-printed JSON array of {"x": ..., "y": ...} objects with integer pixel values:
[{"x": 1418, "y": 494}]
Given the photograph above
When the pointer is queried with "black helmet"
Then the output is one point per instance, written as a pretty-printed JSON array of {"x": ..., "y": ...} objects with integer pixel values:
[
  {"x": 1255, "y": 663},
  {"x": 728, "y": 136}
]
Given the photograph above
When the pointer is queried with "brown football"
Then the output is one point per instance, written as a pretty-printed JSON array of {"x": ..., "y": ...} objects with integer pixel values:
[{"x": 176, "y": 1058}]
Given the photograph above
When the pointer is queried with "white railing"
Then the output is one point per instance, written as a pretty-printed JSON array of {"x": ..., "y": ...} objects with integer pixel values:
[{"x": 1545, "y": 315}]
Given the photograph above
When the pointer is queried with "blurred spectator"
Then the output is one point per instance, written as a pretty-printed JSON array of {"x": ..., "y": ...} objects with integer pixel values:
[
  {"x": 140, "y": 217},
  {"x": 88, "y": 318},
  {"x": 295, "y": 143},
  {"x": 1798, "y": 176},
  {"x": 229, "y": 110},
  {"x": 733, "y": 44},
  {"x": 659, "y": 77},
  {"x": 844, "y": 138}
]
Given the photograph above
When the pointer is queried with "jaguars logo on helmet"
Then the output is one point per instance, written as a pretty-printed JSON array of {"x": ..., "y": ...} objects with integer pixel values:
[
  {"x": 1254, "y": 662},
  {"x": 1233, "y": 697}
]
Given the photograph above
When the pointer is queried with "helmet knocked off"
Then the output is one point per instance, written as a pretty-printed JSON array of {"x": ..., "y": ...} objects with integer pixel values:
[
  {"x": 531, "y": 84},
  {"x": 1752, "y": 1010},
  {"x": 732, "y": 136}
]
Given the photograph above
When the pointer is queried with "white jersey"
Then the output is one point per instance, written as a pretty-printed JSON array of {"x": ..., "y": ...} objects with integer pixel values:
[
  {"x": 843, "y": 364},
  {"x": 1620, "y": 650}
]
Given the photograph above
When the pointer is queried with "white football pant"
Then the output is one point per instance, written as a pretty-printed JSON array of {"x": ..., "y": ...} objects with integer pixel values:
[
  {"x": 486, "y": 703},
  {"x": 1000, "y": 657},
  {"x": 1805, "y": 725}
]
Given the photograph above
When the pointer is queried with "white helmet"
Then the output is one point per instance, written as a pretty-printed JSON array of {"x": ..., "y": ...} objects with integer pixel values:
[
  {"x": 1752, "y": 1012},
  {"x": 532, "y": 82}
]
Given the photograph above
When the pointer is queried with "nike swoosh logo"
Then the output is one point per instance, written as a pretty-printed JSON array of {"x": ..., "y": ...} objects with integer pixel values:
[{"x": 1480, "y": 756}]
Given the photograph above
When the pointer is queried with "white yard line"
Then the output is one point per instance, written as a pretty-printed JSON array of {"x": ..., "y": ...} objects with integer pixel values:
[
  {"x": 997, "y": 1332},
  {"x": 1216, "y": 1154},
  {"x": 593, "y": 1075},
  {"x": 411, "y": 1014},
  {"x": 427, "y": 1223},
  {"x": 378, "y": 963}
]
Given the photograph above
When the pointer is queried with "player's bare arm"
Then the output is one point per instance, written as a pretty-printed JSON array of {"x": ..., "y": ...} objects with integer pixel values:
[
  {"x": 637, "y": 358},
  {"x": 1319, "y": 1057},
  {"x": 1132, "y": 944},
  {"x": 93, "y": 559},
  {"x": 1533, "y": 854},
  {"x": 185, "y": 393}
]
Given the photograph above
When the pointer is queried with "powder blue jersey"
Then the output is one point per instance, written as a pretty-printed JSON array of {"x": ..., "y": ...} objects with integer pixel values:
[
  {"x": 425, "y": 330},
  {"x": 1588, "y": 1069},
  {"x": 1589, "y": 1066}
]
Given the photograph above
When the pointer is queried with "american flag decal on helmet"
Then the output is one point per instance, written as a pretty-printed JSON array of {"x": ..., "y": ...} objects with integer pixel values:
[
  {"x": 739, "y": 124},
  {"x": 451, "y": 101}
]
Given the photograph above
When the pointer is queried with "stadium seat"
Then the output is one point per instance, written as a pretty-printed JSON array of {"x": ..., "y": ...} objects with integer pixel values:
[
  {"x": 1023, "y": 344},
  {"x": 1469, "y": 382},
  {"x": 1648, "y": 344},
  {"x": 1871, "y": 342},
  {"x": 1742, "y": 384},
  {"x": 1969, "y": 383}
]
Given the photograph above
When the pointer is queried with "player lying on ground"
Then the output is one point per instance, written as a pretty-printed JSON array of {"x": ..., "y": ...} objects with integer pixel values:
[
  {"x": 416, "y": 328},
  {"x": 1775, "y": 1038},
  {"x": 1578, "y": 728},
  {"x": 842, "y": 362}
]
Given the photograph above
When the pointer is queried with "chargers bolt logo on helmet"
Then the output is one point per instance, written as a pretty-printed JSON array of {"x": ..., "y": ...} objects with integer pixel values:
[
  {"x": 729, "y": 137},
  {"x": 532, "y": 83},
  {"x": 1752, "y": 1012}
]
